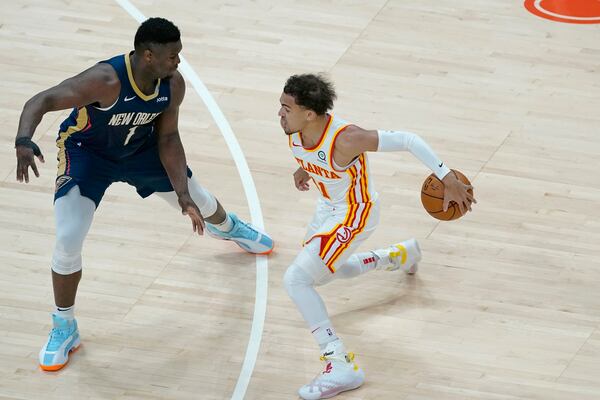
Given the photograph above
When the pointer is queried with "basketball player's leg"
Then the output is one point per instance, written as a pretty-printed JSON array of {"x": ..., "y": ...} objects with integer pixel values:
[
  {"x": 221, "y": 224},
  {"x": 73, "y": 215},
  {"x": 81, "y": 182},
  {"x": 146, "y": 172},
  {"x": 306, "y": 272},
  {"x": 404, "y": 255}
]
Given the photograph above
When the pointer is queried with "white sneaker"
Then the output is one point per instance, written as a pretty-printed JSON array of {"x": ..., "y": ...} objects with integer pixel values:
[
  {"x": 340, "y": 374},
  {"x": 405, "y": 255}
]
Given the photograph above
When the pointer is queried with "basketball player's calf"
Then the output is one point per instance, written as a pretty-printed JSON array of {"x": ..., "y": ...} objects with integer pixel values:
[{"x": 404, "y": 256}]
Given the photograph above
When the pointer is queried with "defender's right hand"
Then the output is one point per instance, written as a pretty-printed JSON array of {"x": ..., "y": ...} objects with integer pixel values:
[
  {"x": 301, "y": 178},
  {"x": 25, "y": 159},
  {"x": 189, "y": 208}
]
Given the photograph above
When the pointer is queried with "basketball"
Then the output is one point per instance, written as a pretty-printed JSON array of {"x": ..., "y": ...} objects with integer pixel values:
[{"x": 432, "y": 197}]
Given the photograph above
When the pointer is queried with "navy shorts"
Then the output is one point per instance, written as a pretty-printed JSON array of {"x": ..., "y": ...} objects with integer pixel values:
[{"x": 94, "y": 174}]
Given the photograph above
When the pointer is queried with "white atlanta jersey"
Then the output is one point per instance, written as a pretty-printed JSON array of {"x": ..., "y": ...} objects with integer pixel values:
[
  {"x": 348, "y": 190},
  {"x": 338, "y": 186}
]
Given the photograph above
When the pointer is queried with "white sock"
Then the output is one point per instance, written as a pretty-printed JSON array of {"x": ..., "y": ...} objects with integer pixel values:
[
  {"x": 226, "y": 225},
  {"x": 384, "y": 256},
  {"x": 324, "y": 333},
  {"x": 67, "y": 313}
]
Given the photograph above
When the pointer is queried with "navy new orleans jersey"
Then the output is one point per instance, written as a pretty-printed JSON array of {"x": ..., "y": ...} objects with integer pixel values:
[
  {"x": 119, "y": 130},
  {"x": 98, "y": 146}
]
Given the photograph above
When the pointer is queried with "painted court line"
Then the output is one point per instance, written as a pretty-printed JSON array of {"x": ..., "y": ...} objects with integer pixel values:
[{"x": 260, "y": 300}]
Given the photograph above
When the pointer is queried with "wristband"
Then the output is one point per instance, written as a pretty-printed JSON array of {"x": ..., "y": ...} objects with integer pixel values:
[{"x": 27, "y": 142}]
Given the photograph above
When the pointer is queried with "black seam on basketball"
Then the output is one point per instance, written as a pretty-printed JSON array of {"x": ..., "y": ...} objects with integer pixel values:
[
  {"x": 453, "y": 204},
  {"x": 434, "y": 197}
]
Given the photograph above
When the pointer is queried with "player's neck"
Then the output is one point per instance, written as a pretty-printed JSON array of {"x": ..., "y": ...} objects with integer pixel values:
[
  {"x": 144, "y": 80},
  {"x": 313, "y": 131}
]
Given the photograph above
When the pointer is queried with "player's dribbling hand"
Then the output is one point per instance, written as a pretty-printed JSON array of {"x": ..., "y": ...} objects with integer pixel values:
[
  {"x": 26, "y": 159},
  {"x": 456, "y": 191},
  {"x": 301, "y": 178},
  {"x": 189, "y": 208}
]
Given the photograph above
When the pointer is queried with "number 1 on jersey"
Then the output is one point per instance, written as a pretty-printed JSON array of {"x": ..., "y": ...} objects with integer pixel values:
[
  {"x": 129, "y": 135},
  {"x": 322, "y": 188}
]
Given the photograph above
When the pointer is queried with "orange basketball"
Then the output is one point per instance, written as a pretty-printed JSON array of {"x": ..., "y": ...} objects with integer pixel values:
[{"x": 432, "y": 197}]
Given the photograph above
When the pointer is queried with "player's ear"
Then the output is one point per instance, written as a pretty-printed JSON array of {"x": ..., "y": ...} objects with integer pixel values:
[
  {"x": 148, "y": 55},
  {"x": 311, "y": 115}
]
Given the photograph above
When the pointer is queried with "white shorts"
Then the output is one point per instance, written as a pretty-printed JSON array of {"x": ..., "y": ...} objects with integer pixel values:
[{"x": 335, "y": 233}]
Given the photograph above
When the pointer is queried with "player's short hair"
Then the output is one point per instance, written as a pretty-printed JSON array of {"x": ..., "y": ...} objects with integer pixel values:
[
  {"x": 156, "y": 30},
  {"x": 314, "y": 92}
]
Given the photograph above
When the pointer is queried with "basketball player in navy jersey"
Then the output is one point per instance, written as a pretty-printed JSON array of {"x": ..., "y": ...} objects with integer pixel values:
[{"x": 123, "y": 127}]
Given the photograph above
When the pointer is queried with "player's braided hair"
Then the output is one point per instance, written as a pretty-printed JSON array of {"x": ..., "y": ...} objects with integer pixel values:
[
  {"x": 156, "y": 30},
  {"x": 314, "y": 92}
]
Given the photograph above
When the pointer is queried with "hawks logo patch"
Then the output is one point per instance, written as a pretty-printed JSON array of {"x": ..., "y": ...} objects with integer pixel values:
[
  {"x": 61, "y": 181},
  {"x": 343, "y": 234}
]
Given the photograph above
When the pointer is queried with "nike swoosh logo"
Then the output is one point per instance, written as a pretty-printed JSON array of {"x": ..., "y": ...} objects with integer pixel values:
[
  {"x": 129, "y": 98},
  {"x": 441, "y": 164},
  {"x": 296, "y": 145}
]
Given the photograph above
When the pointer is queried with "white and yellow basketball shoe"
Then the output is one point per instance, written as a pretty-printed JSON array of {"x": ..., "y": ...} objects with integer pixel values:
[
  {"x": 405, "y": 255},
  {"x": 340, "y": 374}
]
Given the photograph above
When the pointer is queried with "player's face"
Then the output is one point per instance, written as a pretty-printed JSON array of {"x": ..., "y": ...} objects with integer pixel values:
[
  {"x": 165, "y": 58},
  {"x": 292, "y": 117}
]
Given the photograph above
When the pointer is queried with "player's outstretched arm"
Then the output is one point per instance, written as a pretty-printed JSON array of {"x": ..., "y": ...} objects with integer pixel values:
[
  {"x": 97, "y": 84},
  {"x": 354, "y": 141},
  {"x": 172, "y": 154}
]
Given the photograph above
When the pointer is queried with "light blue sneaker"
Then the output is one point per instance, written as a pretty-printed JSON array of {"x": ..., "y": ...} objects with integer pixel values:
[
  {"x": 247, "y": 236},
  {"x": 63, "y": 339}
]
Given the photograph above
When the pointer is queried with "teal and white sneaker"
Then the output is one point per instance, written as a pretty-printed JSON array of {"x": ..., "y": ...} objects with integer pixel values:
[
  {"x": 63, "y": 339},
  {"x": 246, "y": 235}
]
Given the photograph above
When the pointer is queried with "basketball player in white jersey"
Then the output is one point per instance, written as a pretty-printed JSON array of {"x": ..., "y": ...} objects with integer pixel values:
[{"x": 332, "y": 153}]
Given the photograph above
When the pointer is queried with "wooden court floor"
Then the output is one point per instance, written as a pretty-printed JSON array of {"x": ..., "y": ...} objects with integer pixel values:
[{"x": 506, "y": 305}]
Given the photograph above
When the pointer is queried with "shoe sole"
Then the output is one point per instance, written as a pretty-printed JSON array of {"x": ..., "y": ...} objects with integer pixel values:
[
  {"x": 413, "y": 269},
  {"x": 52, "y": 368},
  {"x": 344, "y": 390},
  {"x": 264, "y": 253}
]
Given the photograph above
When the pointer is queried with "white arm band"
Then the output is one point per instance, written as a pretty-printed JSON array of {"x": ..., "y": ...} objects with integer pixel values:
[{"x": 403, "y": 141}]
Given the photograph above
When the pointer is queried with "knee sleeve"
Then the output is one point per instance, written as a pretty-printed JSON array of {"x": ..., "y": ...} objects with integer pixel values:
[
  {"x": 73, "y": 215},
  {"x": 310, "y": 262},
  {"x": 300, "y": 287},
  {"x": 294, "y": 279},
  {"x": 206, "y": 202}
]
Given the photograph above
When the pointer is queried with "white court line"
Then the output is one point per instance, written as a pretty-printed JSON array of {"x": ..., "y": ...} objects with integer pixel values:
[{"x": 260, "y": 300}]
